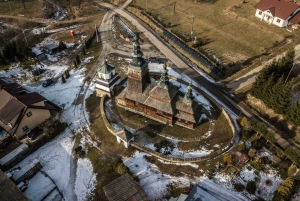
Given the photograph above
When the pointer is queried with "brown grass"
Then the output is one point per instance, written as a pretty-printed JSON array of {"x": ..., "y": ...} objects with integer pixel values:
[
  {"x": 110, "y": 151},
  {"x": 277, "y": 119},
  {"x": 230, "y": 26}
]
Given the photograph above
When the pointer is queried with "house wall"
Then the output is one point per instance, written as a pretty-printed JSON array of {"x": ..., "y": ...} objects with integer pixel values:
[
  {"x": 101, "y": 87},
  {"x": 107, "y": 76},
  {"x": 267, "y": 16},
  {"x": 38, "y": 116},
  {"x": 42, "y": 103}
]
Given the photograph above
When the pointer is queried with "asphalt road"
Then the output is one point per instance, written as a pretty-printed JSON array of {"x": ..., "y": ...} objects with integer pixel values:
[{"x": 216, "y": 90}]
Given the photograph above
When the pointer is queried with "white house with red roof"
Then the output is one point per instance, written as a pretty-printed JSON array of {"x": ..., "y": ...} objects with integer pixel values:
[{"x": 278, "y": 12}]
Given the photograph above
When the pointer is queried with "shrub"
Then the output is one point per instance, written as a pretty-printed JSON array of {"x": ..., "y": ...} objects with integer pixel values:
[
  {"x": 239, "y": 187},
  {"x": 77, "y": 60},
  {"x": 251, "y": 187},
  {"x": 62, "y": 46},
  {"x": 120, "y": 168},
  {"x": 75, "y": 64},
  {"x": 63, "y": 80},
  {"x": 257, "y": 163},
  {"x": 164, "y": 146}
]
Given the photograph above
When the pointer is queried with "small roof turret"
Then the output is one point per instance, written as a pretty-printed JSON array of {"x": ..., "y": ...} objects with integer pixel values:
[
  {"x": 188, "y": 97},
  {"x": 164, "y": 78},
  {"x": 106, "y": 68}
]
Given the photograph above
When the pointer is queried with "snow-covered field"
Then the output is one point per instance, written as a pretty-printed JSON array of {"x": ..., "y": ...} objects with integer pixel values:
[{"x": 155, "y": 183}]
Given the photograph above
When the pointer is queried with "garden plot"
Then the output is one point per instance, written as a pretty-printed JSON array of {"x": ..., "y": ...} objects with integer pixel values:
[
  {"x": 38, "y": 187},
  {"x": 155, "y": 183},
  {"x": 266, "y": 182}
]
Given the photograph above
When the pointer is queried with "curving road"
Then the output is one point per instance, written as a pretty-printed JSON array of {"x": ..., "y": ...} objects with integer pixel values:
[{"x": 215, "y": 89}]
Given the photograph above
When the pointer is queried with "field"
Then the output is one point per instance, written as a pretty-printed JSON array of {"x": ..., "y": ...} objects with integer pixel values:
[{"x": 230, "y": 28}]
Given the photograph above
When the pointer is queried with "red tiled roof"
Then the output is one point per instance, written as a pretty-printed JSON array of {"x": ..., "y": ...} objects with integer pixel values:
[
  {"x": 279, "y": 8},
  {"x": 296, "y": 18}
]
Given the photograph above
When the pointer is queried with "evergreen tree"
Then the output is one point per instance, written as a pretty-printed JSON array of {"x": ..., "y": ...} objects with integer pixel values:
[
  {"x": 292, "y": 154},
  {"x": 63, "y": 80},
  {"x": 75, "y": 64},
  {"x": 294, "y": 114},
  {"x": 62, "y": 46},
  {"x": 284, "y": 98},
  {"x": 292, "y": 170},
  {"x": 78, "y": 60},
  {"x": 285, "y": 190},
  {"x": 66, "y": 74},
  {"x": 2, "y": 59}
]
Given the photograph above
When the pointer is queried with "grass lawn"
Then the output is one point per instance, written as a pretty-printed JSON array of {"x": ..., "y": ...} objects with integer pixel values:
[
  {"x": 119, "y": 62},
  {"x": 110, "y": 151},
  {"x": 16, "y": 7},
  {"x": 230, "y": 27}
]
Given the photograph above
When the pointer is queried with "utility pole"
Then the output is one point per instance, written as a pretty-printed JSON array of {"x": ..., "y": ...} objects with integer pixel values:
[
  {"x": 9, "y": 7},
  {"x": 97, "y": 33},
  {"x": 192, "y": 32},
  {"x": 289, "y": 73},
  {"x": 25, "y": 38},
  {"x": 173, "y": 13}
]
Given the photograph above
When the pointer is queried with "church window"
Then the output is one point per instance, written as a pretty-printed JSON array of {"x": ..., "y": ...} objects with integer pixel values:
[
  {"x": 260, "y": 13},
  {"x": 25, "y": 128},
  {"x": 29, "y": 114}
]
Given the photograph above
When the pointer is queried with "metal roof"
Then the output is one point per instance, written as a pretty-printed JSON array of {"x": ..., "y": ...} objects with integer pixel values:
[
  {"x": 13, "y": 154},
  {"x": 123, "y": 189}
]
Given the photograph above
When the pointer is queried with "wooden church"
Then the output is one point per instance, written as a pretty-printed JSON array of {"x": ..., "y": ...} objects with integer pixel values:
[{"x": 163, "y": 101}]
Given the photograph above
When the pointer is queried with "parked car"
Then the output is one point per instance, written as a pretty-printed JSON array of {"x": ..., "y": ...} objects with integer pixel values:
[
  {"x": 48, "y": 82},
  {"x": 38, "y": 71},
  {"x": 22, "y": 186},
  {"x": 34, "y": 133}
]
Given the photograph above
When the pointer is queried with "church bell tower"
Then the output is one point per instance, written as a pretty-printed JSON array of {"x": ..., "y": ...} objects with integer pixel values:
[{"x": 138, "y": 72}]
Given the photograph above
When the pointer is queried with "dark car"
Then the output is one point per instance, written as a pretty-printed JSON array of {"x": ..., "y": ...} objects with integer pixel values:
[
  {"x": 34, "y": 133},
  {"x": 48, "y": 82},
  {"x": 38, "y": 71}
]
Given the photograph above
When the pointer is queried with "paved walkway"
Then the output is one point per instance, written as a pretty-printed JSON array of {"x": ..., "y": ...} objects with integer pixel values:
[{"x": 249, "y": 77}]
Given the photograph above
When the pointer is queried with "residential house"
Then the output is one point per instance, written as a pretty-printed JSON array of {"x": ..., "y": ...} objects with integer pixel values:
[
  {"x": 125, "y": 188},
  {"x": 21, "y": 110},
  {"x": 9, "y": 191},
  {"x": 278, "y": 12}
]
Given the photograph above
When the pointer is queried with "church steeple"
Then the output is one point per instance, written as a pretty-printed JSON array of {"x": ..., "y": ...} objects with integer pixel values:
[
  {"x": 138, "y": 72},
  {"x": 137, "y": 56},
  {"x": 188, "y": 97}
]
